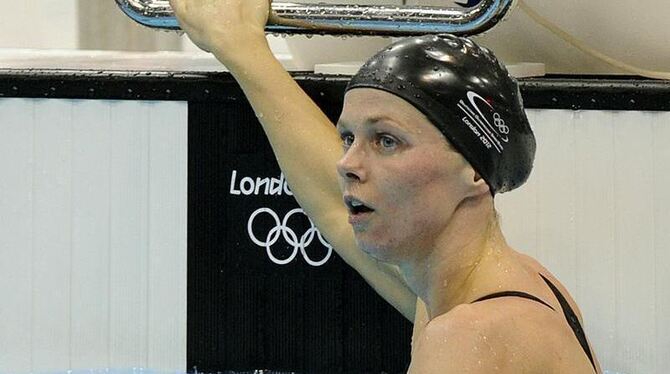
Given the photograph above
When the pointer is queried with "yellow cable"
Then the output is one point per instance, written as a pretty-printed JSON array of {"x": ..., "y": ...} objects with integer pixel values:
[{"x": 586, "y": 49}]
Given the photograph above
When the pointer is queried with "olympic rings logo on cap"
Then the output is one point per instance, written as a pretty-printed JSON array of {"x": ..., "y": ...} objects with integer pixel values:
[
  {"x": 499, "y": 122},
  {"x": 281, "y": 229}
]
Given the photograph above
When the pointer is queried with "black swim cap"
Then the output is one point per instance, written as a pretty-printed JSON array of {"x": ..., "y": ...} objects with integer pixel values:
[{"x": 467, "y": 94}]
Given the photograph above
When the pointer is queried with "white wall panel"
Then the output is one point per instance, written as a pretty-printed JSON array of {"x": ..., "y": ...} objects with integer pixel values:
[
  {"x": 94, "y": 191},
  {"x": 166, "y": 345},
  {"x": 661, "y": 135},
  {"x": 556, "y": 193},
  {"x": 16, "y": 233},
  {"x": 90, "y": 233},
  {"x": 129, "y": 234},
  {"x": 597, "y": 200},
  {"x": 52, "y": 235},
  {"x": 594, "y": 218},
  {"x": 634, "y": 242}
]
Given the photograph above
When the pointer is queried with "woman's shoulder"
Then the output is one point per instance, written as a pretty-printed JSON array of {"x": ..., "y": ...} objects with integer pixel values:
[
  {"x": 500, "y": 318},
  {"x": 502, "y": 335}
]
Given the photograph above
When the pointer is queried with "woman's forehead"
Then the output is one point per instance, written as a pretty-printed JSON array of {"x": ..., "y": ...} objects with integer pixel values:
[
  {"x": 372, "y": 96},
  {"x": 369, "y": 105}
]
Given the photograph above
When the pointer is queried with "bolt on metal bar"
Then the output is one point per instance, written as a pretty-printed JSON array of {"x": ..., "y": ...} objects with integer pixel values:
[{"x": 353, "y": 19}]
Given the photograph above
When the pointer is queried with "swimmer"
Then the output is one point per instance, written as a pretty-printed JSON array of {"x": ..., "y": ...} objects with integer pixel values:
[{"x": 403, "y": 187}]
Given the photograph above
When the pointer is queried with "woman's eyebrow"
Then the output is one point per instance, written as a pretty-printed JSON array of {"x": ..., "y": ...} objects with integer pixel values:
[
  {"x": 341, "y": 125},
  {"x": 383, "y": 120},
  {"x": 387, "y": 121},
  {"x": 380, "y": 118}
]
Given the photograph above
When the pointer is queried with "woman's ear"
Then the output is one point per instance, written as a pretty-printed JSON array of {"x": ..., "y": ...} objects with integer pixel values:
[
  {"x": 476, "y": 185},
  {"x": 480, "y": 185}
]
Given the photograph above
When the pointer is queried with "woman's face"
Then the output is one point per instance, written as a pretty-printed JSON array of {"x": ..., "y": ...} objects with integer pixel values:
[{"x": 403, "y": 171}]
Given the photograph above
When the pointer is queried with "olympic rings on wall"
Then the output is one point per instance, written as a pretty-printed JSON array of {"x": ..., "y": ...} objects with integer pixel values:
[{"x": 282, "y": 229}]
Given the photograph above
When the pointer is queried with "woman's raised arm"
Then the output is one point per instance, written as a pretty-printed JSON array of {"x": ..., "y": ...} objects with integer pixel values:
[{"x": 305, "y": 142}]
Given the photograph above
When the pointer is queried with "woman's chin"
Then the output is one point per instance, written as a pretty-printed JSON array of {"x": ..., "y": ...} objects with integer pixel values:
[{"x": 375, "y": 249}]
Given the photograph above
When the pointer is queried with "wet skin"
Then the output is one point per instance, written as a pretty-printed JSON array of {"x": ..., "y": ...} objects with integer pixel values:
[
  {"x": 431, "y": 211},
  {"x": 430, "y": 214},
  {"x": 397, "y": 163}
]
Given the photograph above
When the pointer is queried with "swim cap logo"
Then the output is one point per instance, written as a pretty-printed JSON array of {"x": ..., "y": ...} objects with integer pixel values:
[{"x": 491, "y": 132}]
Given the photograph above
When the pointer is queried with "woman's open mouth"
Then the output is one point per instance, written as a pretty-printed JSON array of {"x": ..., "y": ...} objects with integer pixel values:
[{"x": 358, "y": 210}]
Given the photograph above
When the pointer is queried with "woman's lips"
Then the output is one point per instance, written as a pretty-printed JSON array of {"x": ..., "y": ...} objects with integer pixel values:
[
  {"x": 356, "y": 205},
  {"x": 359, "y": 211},
  {"x": 359, "y": 218}
]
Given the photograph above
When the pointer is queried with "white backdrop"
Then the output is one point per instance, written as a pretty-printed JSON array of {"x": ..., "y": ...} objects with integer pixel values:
[
  {"x": 632, "y": 31},
  {"x": 92, "y": 235},
  {"x": 595, "y": 211},
  {"x": 93, "y": 231},
  {"x": 38, "y": 24}
]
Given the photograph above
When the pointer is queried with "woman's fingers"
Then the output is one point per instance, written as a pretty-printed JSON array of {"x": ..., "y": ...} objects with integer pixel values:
[
  {"x": 177, "y": 6},
  {"x": 227, "y": 26}
]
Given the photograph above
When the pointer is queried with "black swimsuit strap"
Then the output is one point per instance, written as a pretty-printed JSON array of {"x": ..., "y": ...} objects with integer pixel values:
[
  {"x": 513, "y": 293},
  {"x": 570, "y": 315},
  {"x": 573, "y": 321}
]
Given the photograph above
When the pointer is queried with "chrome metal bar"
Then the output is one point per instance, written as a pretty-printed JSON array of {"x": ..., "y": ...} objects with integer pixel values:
[{"x": 298, "y": 18}]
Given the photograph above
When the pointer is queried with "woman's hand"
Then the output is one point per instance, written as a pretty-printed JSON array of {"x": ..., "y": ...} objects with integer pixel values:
[{"x": 225, "y": 27}]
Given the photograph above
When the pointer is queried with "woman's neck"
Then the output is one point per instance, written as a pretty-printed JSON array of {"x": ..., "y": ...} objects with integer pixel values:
[{"x": 447, "y": 276}]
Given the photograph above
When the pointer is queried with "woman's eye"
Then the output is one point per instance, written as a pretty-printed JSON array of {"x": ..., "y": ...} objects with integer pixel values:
[
  {"x": 347, "y": 140},
  {"x": 388, "y": 142}
]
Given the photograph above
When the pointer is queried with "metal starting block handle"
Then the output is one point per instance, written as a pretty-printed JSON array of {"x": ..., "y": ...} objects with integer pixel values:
[{"x": 348, "y": 19}]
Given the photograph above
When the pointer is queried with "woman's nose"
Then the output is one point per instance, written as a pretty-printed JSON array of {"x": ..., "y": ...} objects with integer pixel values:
[{"x": 350, "y": 166}]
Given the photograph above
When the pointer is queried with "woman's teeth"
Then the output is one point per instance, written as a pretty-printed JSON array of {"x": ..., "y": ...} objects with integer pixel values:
[{"x": 360, "y": 208}]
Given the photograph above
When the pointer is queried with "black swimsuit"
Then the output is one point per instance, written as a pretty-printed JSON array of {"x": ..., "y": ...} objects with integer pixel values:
[{"x": 570, "y": 315}]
